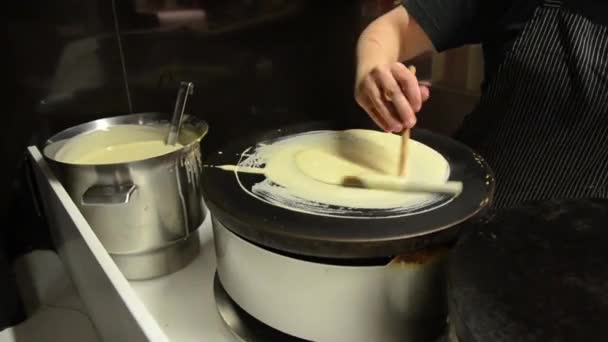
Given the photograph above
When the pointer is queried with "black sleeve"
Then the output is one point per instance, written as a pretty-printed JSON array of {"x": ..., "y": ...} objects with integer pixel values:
[{"x": 449, "y": 23}]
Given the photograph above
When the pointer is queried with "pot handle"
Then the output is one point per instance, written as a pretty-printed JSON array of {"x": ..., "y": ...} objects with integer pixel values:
[{"x": 108, "y": 194}]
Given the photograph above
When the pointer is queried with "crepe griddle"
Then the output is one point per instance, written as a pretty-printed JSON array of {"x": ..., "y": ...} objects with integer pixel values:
[
  {"x": 536, "y": 273},
  {"x": 303, "y": 234}
]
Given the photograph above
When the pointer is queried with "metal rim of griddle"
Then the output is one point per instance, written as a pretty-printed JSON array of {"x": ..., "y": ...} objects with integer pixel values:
[
  {"x": 339, "y": 238},
  {"x": 242, "y": 325}
]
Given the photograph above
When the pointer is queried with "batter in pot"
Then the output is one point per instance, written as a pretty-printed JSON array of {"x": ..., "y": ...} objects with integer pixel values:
[{"x": 117, "y": 144}]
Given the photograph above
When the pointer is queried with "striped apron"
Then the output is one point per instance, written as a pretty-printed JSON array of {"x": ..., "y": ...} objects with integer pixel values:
[{"x": 542, "y": 122}]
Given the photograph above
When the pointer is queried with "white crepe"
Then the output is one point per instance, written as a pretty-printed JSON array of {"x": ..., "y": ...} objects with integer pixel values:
[{"x": 293, "y": 167}]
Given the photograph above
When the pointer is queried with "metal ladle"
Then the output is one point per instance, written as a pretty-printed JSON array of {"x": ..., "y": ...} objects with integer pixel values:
[{"x": 185, "y": 89}]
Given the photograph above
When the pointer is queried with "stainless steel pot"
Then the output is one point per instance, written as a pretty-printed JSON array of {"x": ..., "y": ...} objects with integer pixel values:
[
  {"x": 144, "y": 212},
  {"x": 401, "y": 301}
]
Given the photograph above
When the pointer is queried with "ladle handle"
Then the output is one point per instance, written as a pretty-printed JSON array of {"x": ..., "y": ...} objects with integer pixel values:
[{"x": 185, "y": 89}]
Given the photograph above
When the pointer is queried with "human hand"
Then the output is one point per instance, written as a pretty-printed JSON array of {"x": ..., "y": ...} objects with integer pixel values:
[{"x": 392, "y": 95}]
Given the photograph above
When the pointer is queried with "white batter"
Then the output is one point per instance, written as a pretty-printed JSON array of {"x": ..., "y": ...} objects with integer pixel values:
[
  {"x": 293, "y": 167},
  {"x": 118, "y": 144}
]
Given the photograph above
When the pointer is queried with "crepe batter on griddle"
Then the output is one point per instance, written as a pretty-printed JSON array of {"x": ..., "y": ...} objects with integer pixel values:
[{"x": 291, "y": 165}]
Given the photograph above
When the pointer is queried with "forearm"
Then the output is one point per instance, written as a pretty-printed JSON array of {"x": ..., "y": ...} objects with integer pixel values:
[
  {"x": 393, "y": 37},
  {"x": 379, "y": 44},
  {"x": 390, "y": 39}
]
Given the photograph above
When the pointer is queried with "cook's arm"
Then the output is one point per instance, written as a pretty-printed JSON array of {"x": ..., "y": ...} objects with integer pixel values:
[{"x": 385, "y": 88}]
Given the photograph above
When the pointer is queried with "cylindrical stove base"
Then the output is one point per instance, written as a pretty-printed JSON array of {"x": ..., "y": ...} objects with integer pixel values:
[
  {"x": 244, "y": 326},
  {"x": 323, "y": 302}
]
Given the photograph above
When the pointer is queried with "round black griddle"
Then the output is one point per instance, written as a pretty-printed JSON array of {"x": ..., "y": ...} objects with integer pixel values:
[
  {"x": 536, "y": 273},
  {"x": 303, "y": 234}
]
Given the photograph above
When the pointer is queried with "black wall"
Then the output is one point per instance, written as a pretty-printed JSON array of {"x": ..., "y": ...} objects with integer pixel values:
[{"x": 256, "y": 64}]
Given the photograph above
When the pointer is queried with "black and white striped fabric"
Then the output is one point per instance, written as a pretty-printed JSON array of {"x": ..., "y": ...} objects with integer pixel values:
[{"x": 542, "y": 123}]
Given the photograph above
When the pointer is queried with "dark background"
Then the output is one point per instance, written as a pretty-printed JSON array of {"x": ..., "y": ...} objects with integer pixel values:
[{"x": 256, "y": 64}]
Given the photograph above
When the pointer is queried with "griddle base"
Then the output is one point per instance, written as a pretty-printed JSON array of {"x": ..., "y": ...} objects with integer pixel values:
[
  {"x": 244, "y": 326},
  {"x": 248, "y": 329}
]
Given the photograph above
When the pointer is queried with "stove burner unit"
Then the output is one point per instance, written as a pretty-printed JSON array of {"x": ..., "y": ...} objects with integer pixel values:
[
  {"x": 244, "y": 326},
  {"x": 295, "y": 275},
  {"x": 248, "y": 329}
]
